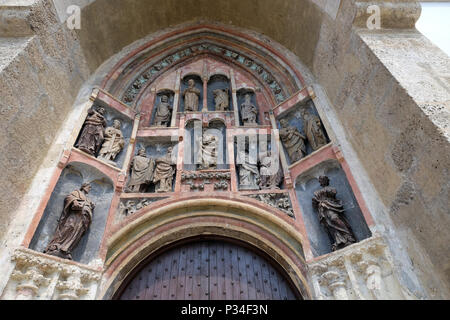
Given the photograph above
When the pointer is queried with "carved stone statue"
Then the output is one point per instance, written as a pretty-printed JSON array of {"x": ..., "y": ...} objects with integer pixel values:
[
  {"x": 249, "y": 112},
  {"x": 164, "y": 171},
  {"x": 191, "y": 96},
  {"x": 141, "y": 172},
  {"x": 331, "y": 215},
  {"x": 314, "y": 130},
  {"x": 293, "y": 141},
  {"x": 91, "y": 137},
  {"x": 221, "y": 99},
  {"x": 163, "y": 113},
  {"x": 113, "y": 143},
  {"x": 209, "y": 151},
  {"x": 270, "y": 172},
  {"x": 75, "y": 220},
  {"x": 248, "y": 170}
]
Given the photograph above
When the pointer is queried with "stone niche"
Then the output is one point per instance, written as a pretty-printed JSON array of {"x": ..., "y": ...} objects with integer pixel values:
[
  {"x": 295, "y": 118},
  {"x": 219, "y": 82},
  {"x": 72, "y": 177},
  {"x": 171, "y": 95},
  {"x": 126, "y": 128},
  {"x": 184, "y": 86},
  {"x": 241, "y": 93},
  {"x": 155, "y": 147},
  {"x": 305, "y": 186}
]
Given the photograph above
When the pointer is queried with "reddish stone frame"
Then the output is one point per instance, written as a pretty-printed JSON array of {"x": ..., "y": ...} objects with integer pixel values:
[{"x": 147, "y": 99}]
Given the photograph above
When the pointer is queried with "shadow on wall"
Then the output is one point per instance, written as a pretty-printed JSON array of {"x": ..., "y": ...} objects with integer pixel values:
[{"x": 72, "y": 177}]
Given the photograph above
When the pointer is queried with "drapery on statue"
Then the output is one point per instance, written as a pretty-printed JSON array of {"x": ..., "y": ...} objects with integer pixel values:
[
  {"x": 293, "y": 141},
  {"x": 113, "y": 142},
  {"x": 221, "y": 99},
  {"x": 331, "y": 215},
  {"x": 270, "y": 171},
  {"x": 163, "y": 113},
  {"x": 248, "y": 170},
  {"x": 141, "y": 172},
  {"x": 73, "y": 223},
  {"x": 209, "y": 151},
  {"x": 191, "y": 96},
  {"x": 91, "y": 137},
  {"x": 249, "y": 112},
  {"x": 164, "y": 171},
  {"x": 314, "y": 130}
]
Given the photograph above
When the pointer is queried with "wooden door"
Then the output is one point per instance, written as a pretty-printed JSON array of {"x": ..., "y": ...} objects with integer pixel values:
[{"x": 208, "y": 270}]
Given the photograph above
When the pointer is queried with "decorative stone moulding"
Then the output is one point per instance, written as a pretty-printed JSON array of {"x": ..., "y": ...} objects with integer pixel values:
[
  {"x": 128, "y": 207},
  {"x": 362, "y": 271},
  {"x": 37, "y": 276},
  {"x": 280, "y": 201},
  {"x": 166, "y": 63},
  {"x": 198, "y": 180},
  {"x": 401, "y": 14}
]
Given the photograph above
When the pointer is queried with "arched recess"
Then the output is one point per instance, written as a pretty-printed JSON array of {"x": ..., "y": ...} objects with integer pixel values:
[{"x": 154, "y": 229}]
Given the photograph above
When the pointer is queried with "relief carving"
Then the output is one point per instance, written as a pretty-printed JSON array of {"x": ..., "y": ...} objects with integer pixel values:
[
  {"x": 209, "y": 144},
  {"x": 270, "y": 171},
  {"x": 163, "y": 112},
  {"x": 280, "y": 201},
  {"x": 249, "y": 113},
  {"x": 221, "y": 99},
  {"x": 73, "y": 224},
  {"x": 293, "y": 141},
  {"x": 249, "y": 177},
  {"x": 92, "y": 135},
  {"x": 314, "y": 130},
  {"x": 331, "y": 215},
  {"x": 113, "y": 143},
  {"x": 191, "y": 97}
]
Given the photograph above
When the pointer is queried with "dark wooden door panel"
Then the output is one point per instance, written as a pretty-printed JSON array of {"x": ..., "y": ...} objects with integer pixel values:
[{"x": 208, "y": 270}]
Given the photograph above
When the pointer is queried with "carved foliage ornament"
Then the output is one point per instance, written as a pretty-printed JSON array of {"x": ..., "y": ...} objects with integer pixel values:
[{"x": 164, "y": 64}]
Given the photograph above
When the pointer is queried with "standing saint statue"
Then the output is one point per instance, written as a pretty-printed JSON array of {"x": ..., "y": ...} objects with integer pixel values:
[
  {"x": 293, "y": 141},
  {"x": 141, "y": 172},
  {"x": 249, "y": 112},
  {"x": 163, "y": 113},
  {"x": 221, "y": 99},
  {"x": 191, "y": 96},
  {"x": 248, "y": 170},
  {"x": 164, "y": 171},
  {"x": 331, "y": 215},
  {"x": 209, "y": 151},
  {"x": 113, "y": 142},
  {"x": 75, "y": 220},
  {"x": 270, "y": 172},
  {"x": 314, "y": 130},
  {"x": 91, "y": 137}
]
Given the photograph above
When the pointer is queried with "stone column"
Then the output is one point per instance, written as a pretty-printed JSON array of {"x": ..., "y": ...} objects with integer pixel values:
[
  {"x": 176, "y": 100},
  {"x": 234, "y": 96}
]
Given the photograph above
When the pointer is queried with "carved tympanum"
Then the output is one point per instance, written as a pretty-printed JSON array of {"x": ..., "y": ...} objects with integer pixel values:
[
  {"x": 221, "y": 99},
  {"x": 191, "y": 97},
  {"x": 293, "y": 141},
  {"x": 314, "y": 130},
  {"x": 331, "y": 215},
  {"x": 163, "y": 112},
  {"x": 73, "y": 223},
  {"x": 92, "y": 136},
  {"x": 249, "y": 112},
  {"x": 113, "y": 142}
]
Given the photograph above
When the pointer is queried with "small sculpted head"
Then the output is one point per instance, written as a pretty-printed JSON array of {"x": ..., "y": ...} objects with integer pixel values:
[
  {"x": 164, "y": 99},
  {"x": 117, "y": 124},
  {"x": 324, "y": 181},
  {"x": 86, "y": 187}
]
